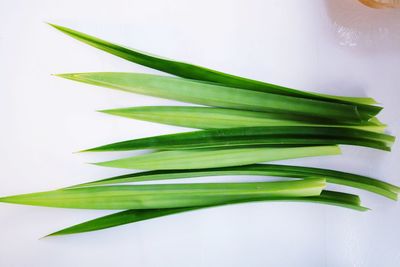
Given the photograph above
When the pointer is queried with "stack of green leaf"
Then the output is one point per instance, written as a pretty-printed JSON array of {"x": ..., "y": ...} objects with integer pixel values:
[{"x": 242, "y": 123}]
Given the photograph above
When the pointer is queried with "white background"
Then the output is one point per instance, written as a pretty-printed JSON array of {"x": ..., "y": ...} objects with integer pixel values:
[{"x": 338, "y": 47}]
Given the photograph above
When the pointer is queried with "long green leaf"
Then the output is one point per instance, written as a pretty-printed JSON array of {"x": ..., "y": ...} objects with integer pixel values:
[
  {"x": 211, "y": 118},
  {"x": 191, "y": 71},
  {"x": 131, "y": 216},
  {"x": 157, "y": 196},
  {"x": 203, "y": 158},
  {"x": 336, "y": 177},
  {"x": 221, "y": 96},
  {"x": 255, "y": 136}
]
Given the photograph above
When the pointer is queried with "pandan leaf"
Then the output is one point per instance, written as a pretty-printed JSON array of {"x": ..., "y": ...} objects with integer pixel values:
[
  {"x": 376, "y": 121},
  {"x": 255, "y": 136},
  {"x": 157, "y": 196},
  {"x": 131, "y": 216},
  {"x": 221, "y": 96},
  {"x": 203, "y": 158},
  {"x": 191, "y": 71},
  {"x": 336, "y": 177},
  {"x": 210, "y": 118}
]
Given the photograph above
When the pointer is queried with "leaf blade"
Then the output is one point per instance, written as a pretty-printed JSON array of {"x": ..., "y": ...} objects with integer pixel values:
[
  {"x": 211, "y": 118},
  {"x": 255, "y": 136},
  {"x": 200, "y": 159},
  {"x": 220, "y": 96},
  {"x": 332, "y": 176},
  {"x": 132, "y": 216},
  {"x": 157, "y": 196},
  {"x": 191, "y": 71}
]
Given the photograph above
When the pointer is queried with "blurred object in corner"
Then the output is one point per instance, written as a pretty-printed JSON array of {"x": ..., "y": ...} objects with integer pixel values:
[
  {"x": 357, "y": 26},
  {"x": 381, "y": 3}
]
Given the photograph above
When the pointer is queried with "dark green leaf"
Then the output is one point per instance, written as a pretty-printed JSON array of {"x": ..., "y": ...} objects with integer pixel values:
[
  {"x": 191, "y": 71},
  {"x": 256, "y": 136},
  {"x": 131, "y": 216},
  {"x": 332, "y": 176},
  {"x": 210, "y": 118}
]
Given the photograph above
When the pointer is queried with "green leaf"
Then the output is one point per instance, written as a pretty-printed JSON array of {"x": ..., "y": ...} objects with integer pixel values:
[
  {"x": 375, "y": 121},
  {"x": 221, "y": 96},
  {"x": 255, "y": 136},
  {"x": 336, "y": 177},
  {"x": 131, "y": 216},
  {"x": 157, "y": 196},
  {"x": 203, "y": 158},
  {"x": 210, "y": 118},
  {"x": 191, "y": 71}
]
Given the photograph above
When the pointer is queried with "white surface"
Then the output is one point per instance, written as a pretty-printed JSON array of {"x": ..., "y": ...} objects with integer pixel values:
[{"x": 295, "y": 43}]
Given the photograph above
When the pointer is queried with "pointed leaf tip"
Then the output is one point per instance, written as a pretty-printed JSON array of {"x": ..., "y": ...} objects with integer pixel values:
[
  {"x": 102, "y": 163},
  {"x": 114, "y": 112},
  {"x": 51, "y": 24},
  {"x": 106, "y": 111},
  {"x": 57, "y": 233},
  {"x": 58, "y": 27},
  {"x": 87, "y": 150},
  {"x": 66, "y": 75}
]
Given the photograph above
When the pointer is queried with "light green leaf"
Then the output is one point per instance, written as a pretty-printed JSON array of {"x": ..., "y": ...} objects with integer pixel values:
[
  {"x": 203, "y": 158},
  {"x": 157, "y": 196},
  {"x": 221, "y": 96},
  {"x": 209, "y": 118}
]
